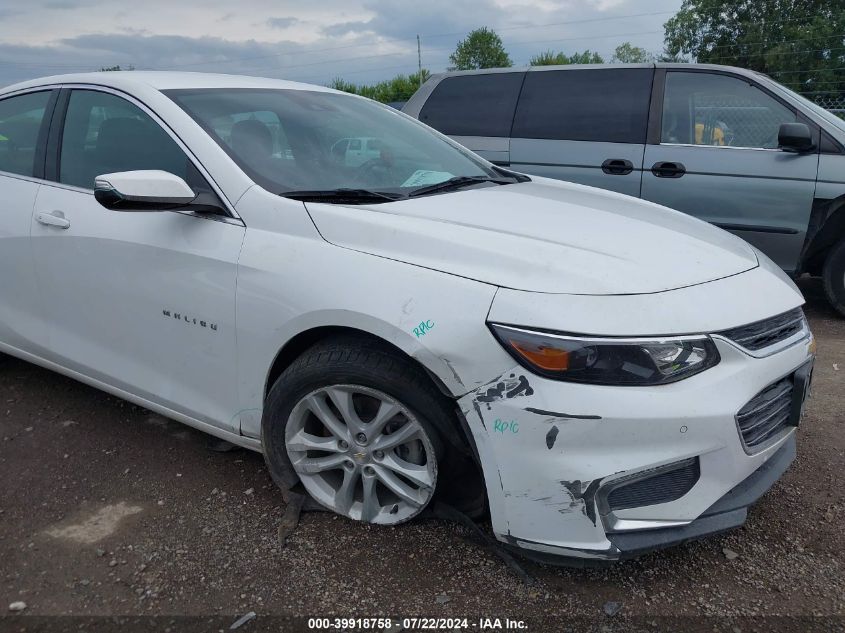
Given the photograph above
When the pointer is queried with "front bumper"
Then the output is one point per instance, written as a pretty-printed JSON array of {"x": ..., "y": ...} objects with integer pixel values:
[
  {"x": 727, "y": 513},
  {"x": 551, "y": 451}
]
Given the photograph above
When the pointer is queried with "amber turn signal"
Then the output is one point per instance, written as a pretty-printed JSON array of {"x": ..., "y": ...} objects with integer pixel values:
[{"x": 547, "y": 358}]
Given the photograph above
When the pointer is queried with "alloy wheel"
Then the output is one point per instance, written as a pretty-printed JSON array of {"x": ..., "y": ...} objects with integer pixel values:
[{"x": 362, "y": 454}]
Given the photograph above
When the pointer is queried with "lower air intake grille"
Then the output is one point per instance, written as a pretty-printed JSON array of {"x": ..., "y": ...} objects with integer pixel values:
[
  {"x": 767, "y": 414},
  {"x": 662, "y": 487},
  {"x": 759, "y": 335}
]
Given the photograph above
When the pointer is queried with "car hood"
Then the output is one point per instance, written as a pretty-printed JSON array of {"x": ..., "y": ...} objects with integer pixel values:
[{"x": 542, "y": 236}]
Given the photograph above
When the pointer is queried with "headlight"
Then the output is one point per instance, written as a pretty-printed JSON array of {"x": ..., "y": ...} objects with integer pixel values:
[{"x": 608, "y": 361}]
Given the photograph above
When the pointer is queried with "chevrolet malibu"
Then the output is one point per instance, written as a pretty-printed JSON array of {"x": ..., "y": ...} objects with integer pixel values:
[{"x": 602, "y": 375}]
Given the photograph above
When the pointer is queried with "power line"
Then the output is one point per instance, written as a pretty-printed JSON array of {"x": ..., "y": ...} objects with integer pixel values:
[
  {"x": 793, "y": 52},
  {"x": 459, "y": 33},
  {"x": 499, "y": 29},
  {"x": 429, "y": 50},
  {"x": 389, "y": 40},
  {"x": 806, "y": 72},
  {"x": 777, "y": 42},
  {"x": 233, "y": 60},
  {"x": 313, "y": 79}
]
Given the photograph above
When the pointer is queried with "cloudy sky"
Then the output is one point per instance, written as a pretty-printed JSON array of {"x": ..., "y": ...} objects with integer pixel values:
[{"x": 313, "y": 41}]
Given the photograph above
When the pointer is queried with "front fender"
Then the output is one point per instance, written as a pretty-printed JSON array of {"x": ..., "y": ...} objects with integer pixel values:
[{"x": 436, "y": 318}]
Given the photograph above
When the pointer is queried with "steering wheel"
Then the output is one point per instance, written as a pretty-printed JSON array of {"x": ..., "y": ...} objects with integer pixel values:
[{"x": 375, "y": 171}]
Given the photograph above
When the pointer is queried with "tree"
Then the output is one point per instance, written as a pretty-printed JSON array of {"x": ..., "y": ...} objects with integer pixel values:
[
  {"x": 798, "y": 42},
  {"x": 482, "y": 48},
  {"x": 628, "y": 54},
  {"x": 400, "y": 88},
  {"x": 587, "y": 57},
  {"x": 115, "y": 68},
  {"x": 551, "y": 58}
]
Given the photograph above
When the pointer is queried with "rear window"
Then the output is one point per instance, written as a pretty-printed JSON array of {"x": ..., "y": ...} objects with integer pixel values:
[
  {"x": 473, "y": 105},
  {"x": 20, "y": 125},
  {"x": 608, "y": 106}
]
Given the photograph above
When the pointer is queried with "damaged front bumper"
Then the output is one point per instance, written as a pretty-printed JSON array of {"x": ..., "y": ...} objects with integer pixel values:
[{"x": 599, "y": 473}]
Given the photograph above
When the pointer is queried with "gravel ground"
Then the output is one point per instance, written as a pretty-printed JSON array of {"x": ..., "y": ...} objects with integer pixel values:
[{"x": 108, "y": 509}]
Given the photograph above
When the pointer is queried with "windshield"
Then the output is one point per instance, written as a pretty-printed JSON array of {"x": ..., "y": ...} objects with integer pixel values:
[{"x": 298, "y": 141}]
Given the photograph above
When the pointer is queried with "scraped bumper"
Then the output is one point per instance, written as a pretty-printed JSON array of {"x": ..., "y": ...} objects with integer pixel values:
[{"x": 555, "y": 454}]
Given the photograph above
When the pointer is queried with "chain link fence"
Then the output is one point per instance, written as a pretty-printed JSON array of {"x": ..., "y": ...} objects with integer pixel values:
[{"x": 835, "y": 104}]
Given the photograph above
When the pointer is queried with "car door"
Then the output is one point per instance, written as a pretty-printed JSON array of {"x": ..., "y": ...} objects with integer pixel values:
[
  {"x": 583, "y": 125},
  {"x": 717, "y": 158},
  {"x": 24, "y": 119},
  {"x": 141, "y": 301},
  {"x": 476, "y": 111}
]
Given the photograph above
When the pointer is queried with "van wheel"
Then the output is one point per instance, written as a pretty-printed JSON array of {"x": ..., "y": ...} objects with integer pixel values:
[
  {"x": 351, "y": 420},
  {"x": 834, "y": 277}
]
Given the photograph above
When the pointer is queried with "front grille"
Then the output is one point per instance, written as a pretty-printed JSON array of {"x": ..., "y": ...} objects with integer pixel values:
[
  {"x": 767, "y": 414},
  {"x": 664, "y": 486},
  {"x": 762, "y": 334}
]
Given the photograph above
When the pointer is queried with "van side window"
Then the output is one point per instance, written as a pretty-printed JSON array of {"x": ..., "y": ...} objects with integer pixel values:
[
  {"x": 602, "y": 105},
  {"x": 20, "y": 123},
  {"x": 720, "y": 111},
  {"x": 473, "y": 105}
]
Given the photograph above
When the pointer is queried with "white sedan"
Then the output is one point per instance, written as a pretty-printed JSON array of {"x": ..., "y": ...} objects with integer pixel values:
[{"x": 602, "y": 375}]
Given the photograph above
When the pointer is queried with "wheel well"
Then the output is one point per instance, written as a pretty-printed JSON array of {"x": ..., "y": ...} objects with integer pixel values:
[
  {"x": 304, "y": 340},
  {"x": 827, "y": 226},
  {"x": 470, "y": 496}
]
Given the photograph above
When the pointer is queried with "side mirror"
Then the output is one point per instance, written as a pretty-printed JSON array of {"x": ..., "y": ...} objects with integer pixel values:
[
  {"x": 142, "y": 190},
  {"x": 795, "y": 137}
]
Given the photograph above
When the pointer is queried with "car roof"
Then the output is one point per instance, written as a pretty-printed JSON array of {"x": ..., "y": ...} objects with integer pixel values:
[
  {"x": 673, "y": 65},
  {"x": 163, "y": 80}
]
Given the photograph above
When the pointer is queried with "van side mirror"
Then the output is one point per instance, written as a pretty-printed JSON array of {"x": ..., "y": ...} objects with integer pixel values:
[
  {"x": 142, "y": 190},
  {"x": 795, "y": 137}
]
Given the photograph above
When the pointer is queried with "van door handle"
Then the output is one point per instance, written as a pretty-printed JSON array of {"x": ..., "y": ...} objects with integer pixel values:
[
  {"x": 668, "y": 169},
  {"x": 53, "y": 218},
  {"x": 617, "y": 167}
]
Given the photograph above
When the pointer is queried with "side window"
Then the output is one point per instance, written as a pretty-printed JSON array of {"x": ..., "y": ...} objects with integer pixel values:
[
  {"x": 720, "y": 111},
  {"x": 104, "y": 133},
  {"x": 602, "y": 105},
  {"x": 20, "y": 124},
  {"x": 473, "y": 105}
]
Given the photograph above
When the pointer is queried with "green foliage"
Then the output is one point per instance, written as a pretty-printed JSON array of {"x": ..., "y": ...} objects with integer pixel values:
[
  {"x": 115, "y": 68},
  {"x": 587, "y": 57},
  {"x": 482, "y": 48},
  {"x": 551, "y": 58},
  {"x": 629, "y": 54},
  {"x": 400, "y": 88},
  {"x": 800, "y": 43}
]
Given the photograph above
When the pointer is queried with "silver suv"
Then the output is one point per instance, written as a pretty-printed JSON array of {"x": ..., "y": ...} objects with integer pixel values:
[{"x": 727, "y": 145}]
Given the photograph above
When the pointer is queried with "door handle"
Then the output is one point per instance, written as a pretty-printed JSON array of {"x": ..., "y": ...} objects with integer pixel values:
[
  {"x": 53, "y": 218},
  {"x": 668, "y": 169},
  {"x": 617, "y": 167}
]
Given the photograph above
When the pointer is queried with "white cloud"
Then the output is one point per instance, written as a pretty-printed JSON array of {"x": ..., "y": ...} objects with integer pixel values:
[{"x": 363, "y": 40}]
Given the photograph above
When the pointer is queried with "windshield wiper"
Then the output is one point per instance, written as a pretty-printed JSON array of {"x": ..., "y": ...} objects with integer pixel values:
[
  {"x": 337, "y": 196},
  {"x": 457, "y": 182}
]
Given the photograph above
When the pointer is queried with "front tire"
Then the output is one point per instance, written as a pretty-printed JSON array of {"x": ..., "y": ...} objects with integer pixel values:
[
  {"x": 833, "y": 276},
  {"x": 351, "y": 421}
]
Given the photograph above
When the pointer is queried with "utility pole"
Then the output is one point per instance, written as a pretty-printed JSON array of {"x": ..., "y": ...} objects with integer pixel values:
[{"x": 419, "y": 61}]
